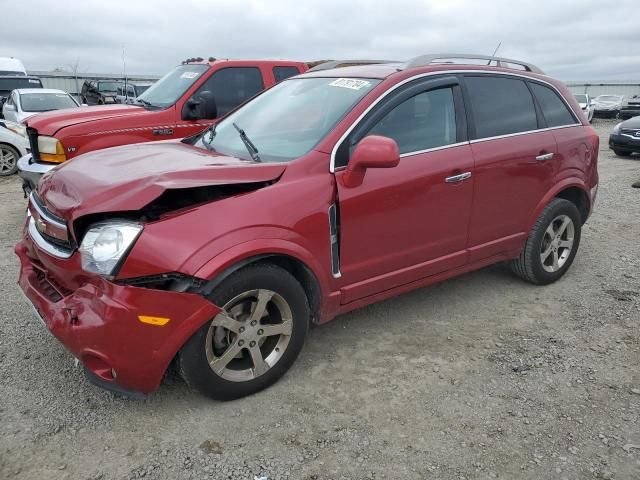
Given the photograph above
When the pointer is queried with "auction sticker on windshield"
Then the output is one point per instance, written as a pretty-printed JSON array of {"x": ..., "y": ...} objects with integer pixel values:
[
  {"x": 352, "y": 83},
  {"x": 189, "y": 75}
]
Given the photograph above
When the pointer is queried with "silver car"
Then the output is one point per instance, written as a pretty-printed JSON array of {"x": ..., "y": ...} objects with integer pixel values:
[{"x": 608, "y": 105}]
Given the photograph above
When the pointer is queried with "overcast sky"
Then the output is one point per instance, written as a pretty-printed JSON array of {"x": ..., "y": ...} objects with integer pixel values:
[{"x": 571, "y": 40}]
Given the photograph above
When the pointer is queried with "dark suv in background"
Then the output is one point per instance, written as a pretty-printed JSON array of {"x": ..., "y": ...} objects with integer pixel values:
[{"x": 99, "y": 92}]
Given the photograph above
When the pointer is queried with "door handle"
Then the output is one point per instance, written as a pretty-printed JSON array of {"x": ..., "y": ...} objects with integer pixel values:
[
  {"x": 544, "y": 157},
  {"x": 458, "y": 178}
]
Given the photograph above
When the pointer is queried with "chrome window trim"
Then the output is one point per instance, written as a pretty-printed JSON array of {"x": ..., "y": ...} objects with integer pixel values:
[
  {"x": 334, "y": 150},
  {"x": 44, "y": 245},
  {"x": 434, "y": 149},
  {"x": 485, "y": 139},
  {"x": 45, "y": 214}
]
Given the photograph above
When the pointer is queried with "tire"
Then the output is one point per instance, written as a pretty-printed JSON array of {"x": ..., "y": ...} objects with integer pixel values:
[
  {"x": 8, "y": 160},
  {"x": 286, "y": 310},
  {"x": 530, "y": 265},
  {"x": 100, "y": 101},
  {"x": 621, "y": 153}
]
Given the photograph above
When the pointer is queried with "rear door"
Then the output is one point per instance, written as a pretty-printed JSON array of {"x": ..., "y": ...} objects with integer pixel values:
[
  {"x": 408, "y": 222},
  {"x": 514, "y": 161}
]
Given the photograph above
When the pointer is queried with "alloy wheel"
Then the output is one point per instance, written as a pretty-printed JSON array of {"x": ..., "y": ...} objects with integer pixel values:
[
  {"x": 249, "y": 336},
  {"x": 557, "y": 243},
  {"x": 7, "y": 160}
]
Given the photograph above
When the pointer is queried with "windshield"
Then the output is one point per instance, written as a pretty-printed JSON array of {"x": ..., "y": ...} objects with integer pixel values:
[
  {"x": 139, "y": 89},
  {"x": 42, "y": 102},
  {"x": 172, "y": 86},
  {"x": 288, "y": 120},
  {"x": 108, "y": 86},
  {"x": 581, "y": 98},
  {"x": 608, "y": 98}
]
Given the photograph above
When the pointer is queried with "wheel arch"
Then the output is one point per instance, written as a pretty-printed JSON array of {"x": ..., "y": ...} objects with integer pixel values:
[
  {"x": 572, "y": 189},
  {"x": 300, "y": 268}
]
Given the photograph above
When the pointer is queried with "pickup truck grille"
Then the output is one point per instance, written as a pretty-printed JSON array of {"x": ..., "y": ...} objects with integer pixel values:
[
  {"x": 631, "y": 131},
  {"x": 32, "y": 134}
]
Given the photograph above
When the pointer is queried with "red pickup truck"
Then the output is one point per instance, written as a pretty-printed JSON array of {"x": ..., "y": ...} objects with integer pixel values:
[{"x": 183, "y": 102}]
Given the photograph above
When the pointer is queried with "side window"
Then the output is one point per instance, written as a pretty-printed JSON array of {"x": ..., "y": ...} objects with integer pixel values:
[
  {"x": 554, "y": 110},
  {"x": 10, "y": 99},
  {"x": 282, "y": 73},
  {"x": 424, "y": 121},
  {"x": 501, "y": 106},
  {"x": 233, "y": 85}
]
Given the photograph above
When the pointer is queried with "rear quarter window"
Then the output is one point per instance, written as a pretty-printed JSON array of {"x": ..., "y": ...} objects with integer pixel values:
[
  {"x": 500, "y": 106},
  {"x": 282, "y": 73},
  {"x": 554, "y": 110}
]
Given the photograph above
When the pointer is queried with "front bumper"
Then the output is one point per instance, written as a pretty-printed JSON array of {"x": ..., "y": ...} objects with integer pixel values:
[
  {"x": 629, "y": 112},
  {"x": 624, "y": 142},
  {"x": 99, "y": 322},
  {"x": 31, "y": 171}
]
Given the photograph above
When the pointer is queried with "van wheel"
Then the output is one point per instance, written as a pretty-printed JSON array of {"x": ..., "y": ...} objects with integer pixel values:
[
  {"x": 552, "y": 244},
  {"x": 622, "y": 153},
  {"x": 8, "y": 160},
  {"x": 254, "y": 340}
]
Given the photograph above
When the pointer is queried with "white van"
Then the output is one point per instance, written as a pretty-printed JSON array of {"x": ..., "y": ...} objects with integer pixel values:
[{"x": 11, "y": 66}]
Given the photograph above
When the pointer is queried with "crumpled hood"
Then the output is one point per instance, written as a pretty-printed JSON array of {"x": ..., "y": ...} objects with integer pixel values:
[
  {"x": 130, "y": 177},
  {"x": 49, "y": 123}
]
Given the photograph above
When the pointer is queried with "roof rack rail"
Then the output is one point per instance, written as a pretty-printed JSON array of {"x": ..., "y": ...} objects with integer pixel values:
[
  {"x": 430, "y": 58},
  {"x": 347, "y": 63}
]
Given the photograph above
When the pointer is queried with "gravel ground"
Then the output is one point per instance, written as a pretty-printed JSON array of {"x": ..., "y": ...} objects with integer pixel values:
[{"x": 483, "y": 376}]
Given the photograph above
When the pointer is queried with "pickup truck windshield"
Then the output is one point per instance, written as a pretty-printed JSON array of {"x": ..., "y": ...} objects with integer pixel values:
[
  {"x": 288, "y": 120},
  {"x": 166, "y": 91}
]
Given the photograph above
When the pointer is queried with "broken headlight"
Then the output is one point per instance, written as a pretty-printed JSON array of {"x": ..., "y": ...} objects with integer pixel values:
[{"x": 106, "y": 243}]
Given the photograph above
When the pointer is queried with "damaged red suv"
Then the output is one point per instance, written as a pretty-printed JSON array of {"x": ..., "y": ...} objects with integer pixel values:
[{"x": 332, "y": 190}]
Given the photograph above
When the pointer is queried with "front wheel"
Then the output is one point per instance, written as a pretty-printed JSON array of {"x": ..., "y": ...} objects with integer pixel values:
[
  {"x": 551, "y": 245},
  {"x": 8, "y": 160},
  {"x": 254, "y": 340}
]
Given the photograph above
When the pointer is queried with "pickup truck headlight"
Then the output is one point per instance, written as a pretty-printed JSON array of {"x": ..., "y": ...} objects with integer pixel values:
[
  {"x": 106, "y": 243},
  {"x": 51, "y": 150}
]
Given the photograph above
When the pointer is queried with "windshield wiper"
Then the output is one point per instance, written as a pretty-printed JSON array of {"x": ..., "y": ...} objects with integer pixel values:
[
  {"x": 251, "y": 148},
  {"x": 145, "y": 102},
  {"x": 211, "y": 132}
]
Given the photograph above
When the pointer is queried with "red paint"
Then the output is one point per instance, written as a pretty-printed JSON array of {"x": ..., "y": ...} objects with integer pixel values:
[
  {"x": 91, "y": 128},
  {"x": 401, "y": 227}
]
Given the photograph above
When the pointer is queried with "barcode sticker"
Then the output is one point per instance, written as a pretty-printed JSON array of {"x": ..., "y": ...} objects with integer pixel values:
[{"x": 352, "y": 83}]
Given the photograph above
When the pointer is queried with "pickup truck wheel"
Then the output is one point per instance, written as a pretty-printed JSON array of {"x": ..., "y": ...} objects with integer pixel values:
[
  {"x": 254, "y": 340},
  {"x": 552, "y": 244},
  {"x": 8, "y": 160},
  {"x": 622, "y": 153}
]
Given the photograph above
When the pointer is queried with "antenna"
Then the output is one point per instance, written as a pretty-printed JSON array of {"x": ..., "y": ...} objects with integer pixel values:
[
  {"x": 494, "y": 52},
  {"x": 124, "y": 72}
]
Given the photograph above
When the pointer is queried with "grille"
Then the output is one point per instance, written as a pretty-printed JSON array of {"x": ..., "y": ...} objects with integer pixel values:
[
  {"x": 49, "y": 286},
  {"x": 630, "y": 131},
  {"x": 32, "y": 134},
  {"x": 48, "y": 216}
]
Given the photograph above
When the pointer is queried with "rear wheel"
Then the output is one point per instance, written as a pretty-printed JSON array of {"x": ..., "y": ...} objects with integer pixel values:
[
  {"x": 8, "y": 160},
  {"x": 552, "y": 244},
  {"x": 254, "y": 340}
]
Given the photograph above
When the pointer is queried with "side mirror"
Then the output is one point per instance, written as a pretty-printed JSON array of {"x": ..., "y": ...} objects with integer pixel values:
[
  {"x": 201, "y": 107},
  {"x": 373, "y": 151}
]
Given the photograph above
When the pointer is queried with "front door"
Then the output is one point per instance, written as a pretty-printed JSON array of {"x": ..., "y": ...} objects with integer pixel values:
[{"x": 407, "y": 222}]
